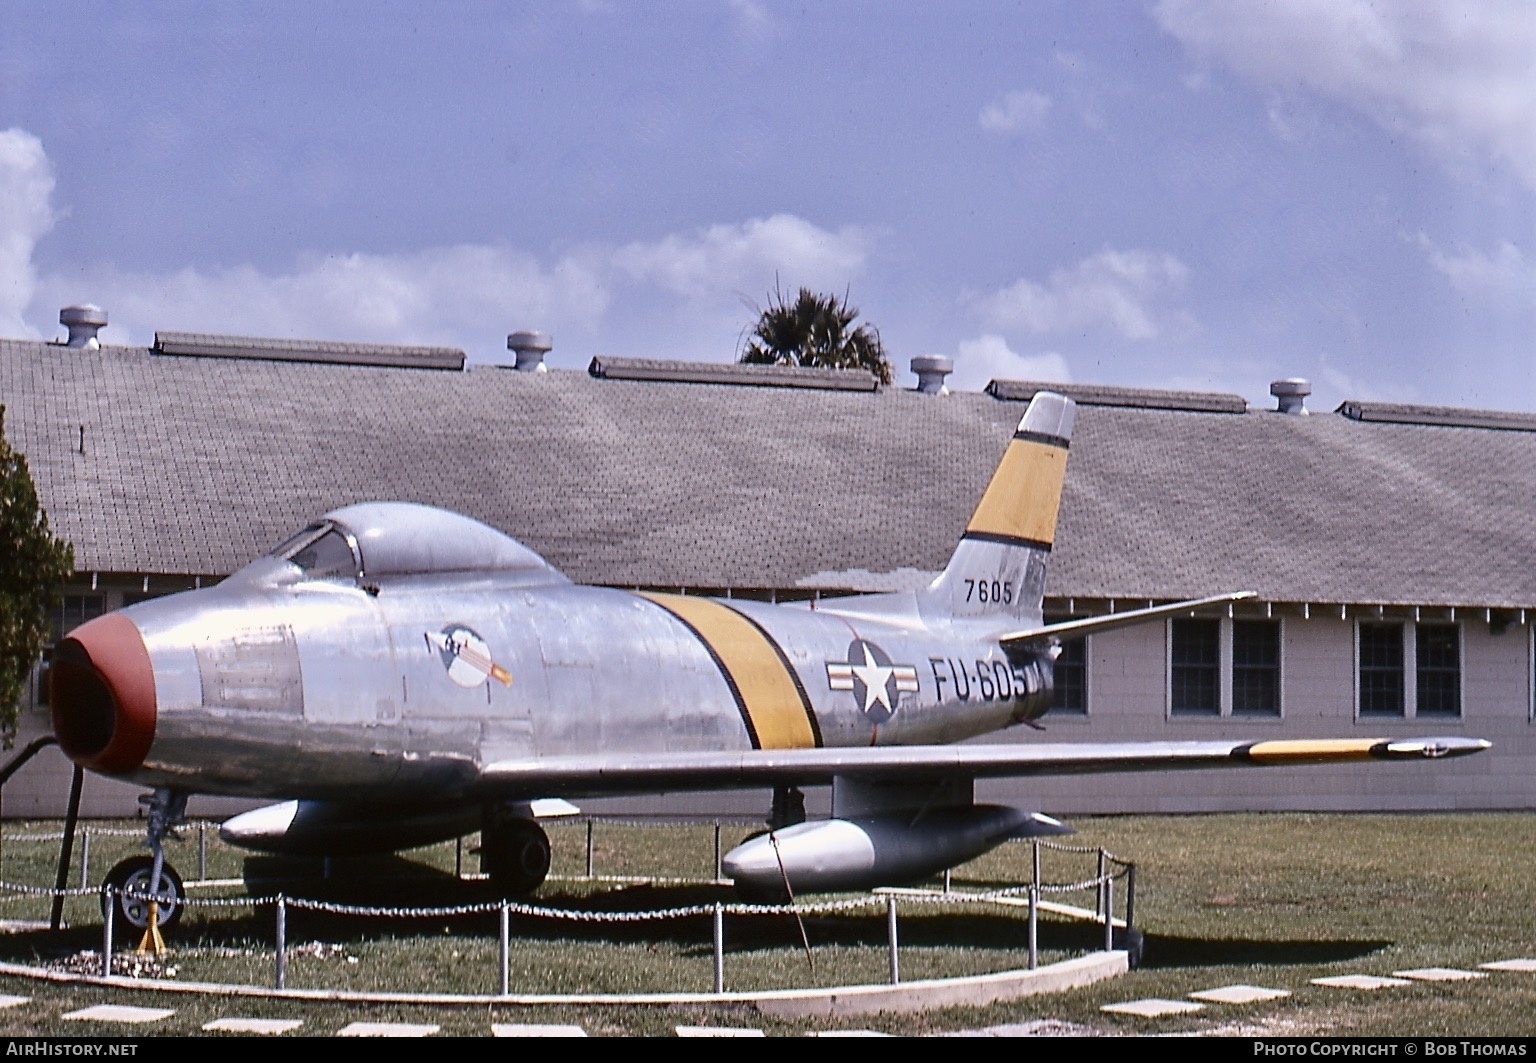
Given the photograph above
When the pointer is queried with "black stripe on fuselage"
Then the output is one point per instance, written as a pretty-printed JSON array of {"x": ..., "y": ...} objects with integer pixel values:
[
  {"x": 1042, "y": 437},
  {"x": 1007, "y": 540}
]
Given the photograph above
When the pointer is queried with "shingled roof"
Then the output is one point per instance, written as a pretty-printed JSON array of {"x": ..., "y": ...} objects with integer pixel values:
[{"x": 152, "y": 463}]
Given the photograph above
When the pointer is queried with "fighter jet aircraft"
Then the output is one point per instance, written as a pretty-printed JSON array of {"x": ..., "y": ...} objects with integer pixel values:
[{"x": 395, "y": 675}]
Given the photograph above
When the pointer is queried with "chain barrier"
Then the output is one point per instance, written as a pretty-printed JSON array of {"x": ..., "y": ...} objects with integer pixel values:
[
  {"x": 576, "y": 915},
  {"x": 55, "y": 836},
  {"x": 19, "y": 890},
  {"x": 1110, "y": 868}
]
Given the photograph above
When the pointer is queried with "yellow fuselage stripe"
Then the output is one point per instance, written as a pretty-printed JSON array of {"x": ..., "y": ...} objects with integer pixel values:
[
  {"x": 1315, "y": 750},
  {"x": 771, "y": 702},
  {"x": 1025, "y": 493}
]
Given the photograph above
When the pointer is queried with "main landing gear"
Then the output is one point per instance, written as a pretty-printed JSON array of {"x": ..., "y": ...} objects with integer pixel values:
[
  {"x": 144, "y": 891},
  {"x": 514, "y": 852}
]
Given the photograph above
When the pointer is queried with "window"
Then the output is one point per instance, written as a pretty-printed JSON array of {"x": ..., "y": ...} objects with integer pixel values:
[
  {"x": 1381, "y": 669},
  {"x": 1255, "y": 668},
  {"x": 76, "y": 609},
  {"x": 1223, "y": 667},
  {"x": 1071, "y": 692},
  {"x": 73, "y": 610},
  {"x": 1383, "y": 650},
  {"x": 321, "y": 551},
  {"x": 1195, "y": 668},
  {"x": 1439, "y": 663}
]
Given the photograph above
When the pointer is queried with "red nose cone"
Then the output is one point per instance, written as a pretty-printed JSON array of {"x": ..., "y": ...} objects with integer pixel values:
[{"x": 102, "y": 688}]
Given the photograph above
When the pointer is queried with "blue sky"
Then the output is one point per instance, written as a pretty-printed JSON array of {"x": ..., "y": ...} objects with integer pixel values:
[{"x": 1169, "y": 193}]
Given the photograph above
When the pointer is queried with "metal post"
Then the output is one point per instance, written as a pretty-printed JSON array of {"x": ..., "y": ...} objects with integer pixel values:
[
  {"x": 1034, "y": 927},
  {"x": 85, "y": 858},
  {"x": 1130, "y": 901},
  {"x": 718, "y": 872},
  {"x": 458, "y": 857},
  {"x": 505, "y": 951},
  {"x": 282, "y": 942},
  {"x": 589, "y": 848},
  {"x": 946, "y": 880},
  {"x": 1102, "y": 862},
  {"x": 108, "y": 908},
  {"x": 719, "y": 945},
  {"x": 890, "y": 933},
  {"x": 202, "y": 851},
  {"x": 1109, "y": 915},
  {"x": 1034, "y": 845},
  {"x": 71, "y": 818}
]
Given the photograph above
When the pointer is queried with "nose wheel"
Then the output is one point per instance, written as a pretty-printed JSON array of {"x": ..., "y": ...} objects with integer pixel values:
[{"x": 130, "y": 891}]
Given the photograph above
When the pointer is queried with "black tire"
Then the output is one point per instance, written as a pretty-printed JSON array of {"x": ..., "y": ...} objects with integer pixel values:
[
  {"x": 133, "y": 875},
  {"x": 515, "y": 855}
]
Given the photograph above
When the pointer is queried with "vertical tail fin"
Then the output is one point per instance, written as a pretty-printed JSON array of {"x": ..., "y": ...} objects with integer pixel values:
[{"x": 999, "y": 567}]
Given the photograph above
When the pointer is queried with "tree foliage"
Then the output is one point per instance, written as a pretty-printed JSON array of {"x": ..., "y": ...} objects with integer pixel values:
[
  {"x": 814, "y": 330},
  {"x": 33, "y": 567}
]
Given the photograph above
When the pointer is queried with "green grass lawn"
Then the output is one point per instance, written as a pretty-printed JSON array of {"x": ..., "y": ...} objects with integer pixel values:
[{"x": 1266, "y": 900}]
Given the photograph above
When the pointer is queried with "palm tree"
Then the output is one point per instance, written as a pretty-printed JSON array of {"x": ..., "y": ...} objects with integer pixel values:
[{"x": 814, "y": 330}]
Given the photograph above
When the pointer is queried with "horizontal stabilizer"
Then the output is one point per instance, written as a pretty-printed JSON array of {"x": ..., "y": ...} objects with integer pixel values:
[
  {"x": 619, "y": 773},
  {"x": 1073, "y": 629}
]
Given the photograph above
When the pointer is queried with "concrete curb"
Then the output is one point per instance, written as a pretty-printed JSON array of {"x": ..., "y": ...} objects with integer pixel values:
[{"x": 974, "y": 991}]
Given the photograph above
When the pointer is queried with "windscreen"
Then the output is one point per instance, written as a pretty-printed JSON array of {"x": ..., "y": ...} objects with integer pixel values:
[{"x": 321, "y": 551}]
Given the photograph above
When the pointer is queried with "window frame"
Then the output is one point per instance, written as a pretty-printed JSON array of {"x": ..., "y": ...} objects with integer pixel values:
[
  {"x": 1082, "y": 641},
  {"x": 61, "y": 621},
  {"x": 1226, "y": 669},
  {"x": 1409, "y": 681}
]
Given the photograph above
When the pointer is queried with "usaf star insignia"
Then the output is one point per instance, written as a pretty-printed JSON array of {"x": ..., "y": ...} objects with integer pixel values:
[{"x": 876, "y": 682}]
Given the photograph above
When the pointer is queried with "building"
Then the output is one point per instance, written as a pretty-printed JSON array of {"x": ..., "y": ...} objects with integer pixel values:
[{"x": 1390, "y": 546}]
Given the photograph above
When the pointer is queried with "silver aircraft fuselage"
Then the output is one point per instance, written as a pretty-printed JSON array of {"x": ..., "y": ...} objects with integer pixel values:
[{"x": 280, "y": 683}]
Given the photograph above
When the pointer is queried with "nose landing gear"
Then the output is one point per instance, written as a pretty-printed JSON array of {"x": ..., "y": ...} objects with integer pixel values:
[
  {"x": 129, "y": 890},
  {"x": 145, "y": 891}
]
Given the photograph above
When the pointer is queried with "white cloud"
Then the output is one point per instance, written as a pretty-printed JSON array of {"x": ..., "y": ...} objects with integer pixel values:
[
  {"x": 26, "y": 186},
  {"x": 1458, "y": 77},
  {"x": 465, "y": 296},
  {"x": 987, "y": 358},
  {"x": 1500, "y": 275},
  {"x": 679, "y": 297},
  {"x": 1119, "y": 291},
  {"x": 1015, "y": 112},
  {"x": 739, "y": 257}
]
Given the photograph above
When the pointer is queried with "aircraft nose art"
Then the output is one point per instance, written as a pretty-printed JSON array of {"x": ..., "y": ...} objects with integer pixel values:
[{"x": 102, "y": 689}]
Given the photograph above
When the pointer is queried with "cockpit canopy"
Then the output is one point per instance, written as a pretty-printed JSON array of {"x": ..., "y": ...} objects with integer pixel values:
[{"x": 375, "y": 540}]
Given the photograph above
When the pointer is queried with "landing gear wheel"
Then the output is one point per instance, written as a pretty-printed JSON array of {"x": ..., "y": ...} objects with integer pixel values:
[
  {"x": 132, "y": 875},
  {"x": 515, "y": 854}
]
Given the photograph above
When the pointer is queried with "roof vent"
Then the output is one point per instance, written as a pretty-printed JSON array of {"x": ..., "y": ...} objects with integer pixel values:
[
  {"x": 531, "y": 347},
  {"x": 1291, "y": 393},
  {"x": 931, "y": 369},
  {"x": 389, "y": 356},
  {"x": 83, "y": 323}
]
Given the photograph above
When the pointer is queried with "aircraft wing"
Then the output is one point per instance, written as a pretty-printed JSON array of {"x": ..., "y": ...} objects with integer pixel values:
[
  {"x": 590, "y": 775},
  {"x": 1071, "y": 629}
]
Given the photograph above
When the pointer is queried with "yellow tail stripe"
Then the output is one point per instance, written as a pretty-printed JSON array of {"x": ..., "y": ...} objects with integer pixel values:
[
  {"x": 1301, "y": 751},
  {"x": 1025, "y": 493},
  {"x": 772, "y": 704}
]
